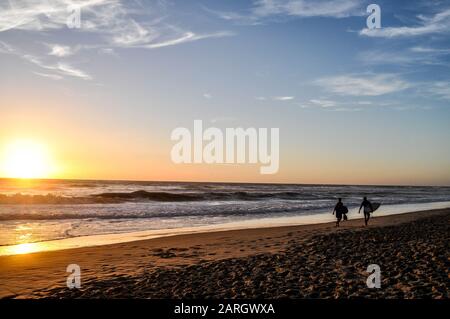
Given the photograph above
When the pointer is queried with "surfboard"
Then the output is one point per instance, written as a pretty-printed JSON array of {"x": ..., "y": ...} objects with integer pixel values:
[{"x": 375, "y": 206}]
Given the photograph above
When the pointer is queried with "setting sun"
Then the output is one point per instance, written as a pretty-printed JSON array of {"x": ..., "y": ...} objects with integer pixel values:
[{"x": 26, "y": 159}]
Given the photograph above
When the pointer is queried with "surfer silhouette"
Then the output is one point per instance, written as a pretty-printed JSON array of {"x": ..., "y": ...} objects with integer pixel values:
[
  {"x": 340, "y": 210},
  {"x": 368, "y": 208}
]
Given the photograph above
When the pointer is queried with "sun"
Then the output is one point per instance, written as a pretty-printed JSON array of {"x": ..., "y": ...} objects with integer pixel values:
[{"x": 26, "y": 159}]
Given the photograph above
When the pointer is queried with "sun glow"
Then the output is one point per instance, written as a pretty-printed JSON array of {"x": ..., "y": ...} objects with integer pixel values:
[
  {"x": 23, "y": 248},
  {"x": 26, "y": 159}
]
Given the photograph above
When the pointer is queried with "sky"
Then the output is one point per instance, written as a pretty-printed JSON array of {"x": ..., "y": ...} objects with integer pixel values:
[{"x": 353, "y": 105}]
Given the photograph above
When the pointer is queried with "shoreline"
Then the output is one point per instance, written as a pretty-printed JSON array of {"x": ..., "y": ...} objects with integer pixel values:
[
  {"x": 43, "y": 274},
  {"x": 269, "y": 222}
]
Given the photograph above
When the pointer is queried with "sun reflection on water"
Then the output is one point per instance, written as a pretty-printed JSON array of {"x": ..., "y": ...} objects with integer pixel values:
[{"x": 23, "y": 248}]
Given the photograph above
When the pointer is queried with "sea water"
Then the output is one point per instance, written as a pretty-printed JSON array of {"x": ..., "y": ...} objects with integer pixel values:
[{"x": 106, "y": 211}]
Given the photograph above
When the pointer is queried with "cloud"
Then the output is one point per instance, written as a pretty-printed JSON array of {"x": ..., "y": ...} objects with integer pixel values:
[
  {"x": 347, "y": 109},
  {"x": 275, "y": 98},
  {"x": 45, "y": 15},
  {"x": 420, "y": 49},
  {"x": 115, "y": 21},
  {"x": 306, "y": 8},
  {"x": 110, "y": 24},
  {"x": 323, "y": 103},
  {"x": 439, "y": 23},
  {"x": 363, "y": 85},
  {"x": 264, "y": 9},
  {"x": 6, "y": 48},
  {"x": 107, "y": 51},
  {"x": 50, "y": 76},
  {"x": 408, "y": 56},
  {"x": 283, "y": 98},
  {"x": 67, "y": 69},
  {"x": 347, "y": 105},
  {"x": 385, "y": 57},
  {"x": 364, "y": 103},
  {"x": 207, "y": 96},
  {"x": 60, "y": 50},
  {"x": 440, "y": 89},
  {"x": 337, "y": 106},
  {"x": 237, "y": 18},
  {"x": 132, "y": 34},
  {"x": 59, "y": 68},
  {"x": 187, "y": 37}
]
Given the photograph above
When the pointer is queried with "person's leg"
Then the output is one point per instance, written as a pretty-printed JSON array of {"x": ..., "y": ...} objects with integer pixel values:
[{"x": 365, "y": 219}]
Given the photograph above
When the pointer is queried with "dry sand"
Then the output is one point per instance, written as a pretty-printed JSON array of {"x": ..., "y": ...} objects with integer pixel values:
[{"x": 312, "y": 261}]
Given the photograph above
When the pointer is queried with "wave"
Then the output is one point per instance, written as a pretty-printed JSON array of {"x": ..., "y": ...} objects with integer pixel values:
[
  {"x": 269, "y": 193},
  {"x": 141, "y": 195},
  {"x": 205, "y": 196},
  {"x": 116, "y": 217},
  {"x": 153, "y": 196},
  {"x": 51, "y": 199}
]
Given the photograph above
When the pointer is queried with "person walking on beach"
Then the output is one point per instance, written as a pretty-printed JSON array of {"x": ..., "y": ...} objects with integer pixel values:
[
  {"x": 339, "y": 209},
  {"x": 368, "y": 208}
]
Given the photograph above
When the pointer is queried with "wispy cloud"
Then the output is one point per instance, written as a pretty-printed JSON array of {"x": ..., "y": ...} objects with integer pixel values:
[
  {"x": 50, "y": 76},
  {"x": 187, "y": 37},
  {"x": 110, "y": 24},
  {"x": 306, "y": 8},
  {"x": 347, "y": 109},
  {"x": 332, "y": 105},
  {"x": 67, "y": 69},
  {"x": 114, "y": 21},
  {"x": 107, "y": 51},
  {"x": 363, "y": 85},
  {"x": 271, "y": 9},
  {"x": 352, "y": 104},
  {"x": 60, "y": 50},
  {"x": 59, "y": 68},
  {"x": 407, "y": 56},
  {"x": 35, "y": 15},
  {"x": 323, "y": 103},
  {"x": 283, "y": 98},
  {"x": 276, "y": 98},
  {"x": 420, "y": 49},
  {"x": 439, "y": 23},
  {"x": 440, "y": 89}
]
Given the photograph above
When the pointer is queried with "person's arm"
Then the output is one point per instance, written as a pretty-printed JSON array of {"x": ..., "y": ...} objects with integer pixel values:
[
  {"x": 334, "y": 210},
  {"x": 359, "y": 212}
]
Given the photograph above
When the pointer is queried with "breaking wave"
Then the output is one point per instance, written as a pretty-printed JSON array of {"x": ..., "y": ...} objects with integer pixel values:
[{"x": 141, "y": 195}]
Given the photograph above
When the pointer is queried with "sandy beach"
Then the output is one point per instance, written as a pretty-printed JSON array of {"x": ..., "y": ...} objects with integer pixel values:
[{"x": 308, "y": 261}]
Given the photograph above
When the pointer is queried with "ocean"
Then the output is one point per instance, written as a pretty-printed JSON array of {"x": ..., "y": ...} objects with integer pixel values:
[{"x": 48, "y": 210}]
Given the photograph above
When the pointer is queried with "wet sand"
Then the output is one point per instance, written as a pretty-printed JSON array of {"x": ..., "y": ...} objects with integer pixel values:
[{"x": 308, "y": 261}]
